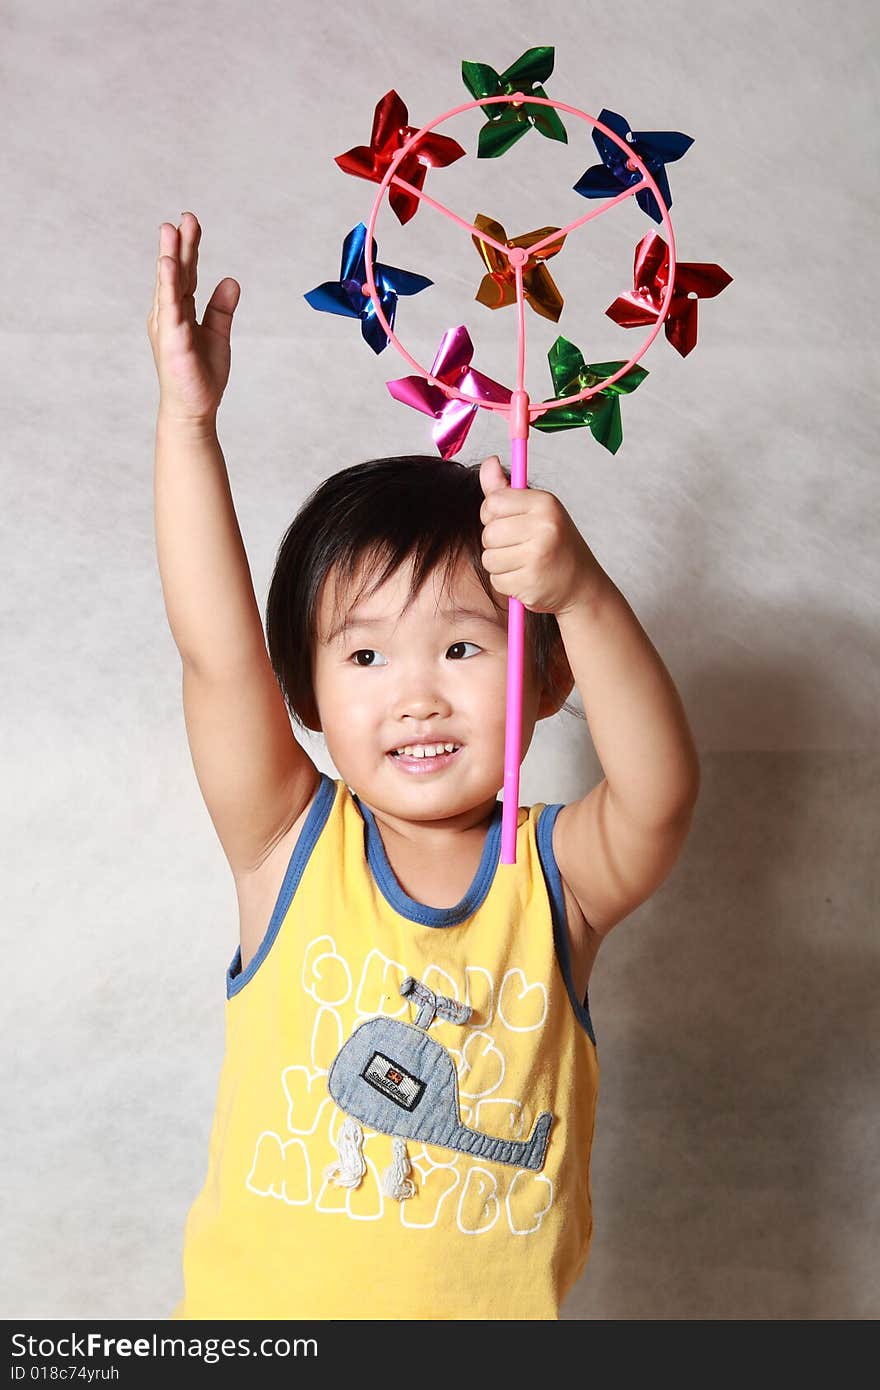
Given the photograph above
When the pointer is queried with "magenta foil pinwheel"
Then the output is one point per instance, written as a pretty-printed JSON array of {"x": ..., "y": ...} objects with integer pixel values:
[
  {"x": 451, "y": 367},
  {"x": 511, "y": 101}
]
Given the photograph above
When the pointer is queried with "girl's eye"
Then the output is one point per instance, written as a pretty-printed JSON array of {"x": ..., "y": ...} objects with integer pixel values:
[
  {"x": 371, "y": 651},
  {"x": 364, "y": 651}
]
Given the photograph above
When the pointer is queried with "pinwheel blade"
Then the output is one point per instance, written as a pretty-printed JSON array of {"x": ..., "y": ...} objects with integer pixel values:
[
  {"x": 646, "y": 200},
  {"x": 332, "y": 298},
  {"x": 661, "y": 146},
  {"x": 451, "y": 430},
  {"x": 371, "y": 329},
  {"x": 535, "y": 65},
  {"x": 500, "y": 133},
  {"x": 453, "y": 355},
  {"x": 681, "y": 330},
  {"x": 353, "y": 257},
  {"x": 566, "y": 362},
  {"x": 415, "y": 391},
  {"x": 567, "y": 417},
  {"x": 702, "y": 278},
  {"x": 605, "y": 426},
  {"x": 542, "y": 293},
  {"x": 401, "y": 281},
  {"x": 481, "y": 80},
  {"x": 624, "y": 384},
  {"x": 632, "y": 311},
  {"x": 474, "y": 383},
  {"x": 597, "y": 182},
  {"x": 496, "y": 291},
  {"x": 547, "y": 121}
]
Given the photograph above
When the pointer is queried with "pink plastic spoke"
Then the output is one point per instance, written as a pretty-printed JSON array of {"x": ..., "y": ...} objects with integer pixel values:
[
  {"x": 468, "y": 226},
  {"x": 588, "y": 217}
]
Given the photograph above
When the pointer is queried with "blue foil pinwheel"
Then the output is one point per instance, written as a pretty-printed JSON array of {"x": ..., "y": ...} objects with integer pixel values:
[
  {"x": 507, "y": 122},
  {"x": 655, "y": 148},
  {"x": 600, "y": 412},
  {"x": 350, "y": 296},
  {"x": 452, "y": 367}
]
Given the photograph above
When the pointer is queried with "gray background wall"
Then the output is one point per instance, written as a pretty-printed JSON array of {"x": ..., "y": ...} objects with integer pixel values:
[{"x": 737, "y": 1011}]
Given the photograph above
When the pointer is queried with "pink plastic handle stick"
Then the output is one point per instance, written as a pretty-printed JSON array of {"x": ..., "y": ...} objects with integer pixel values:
[{"x": 519, "y": 455}]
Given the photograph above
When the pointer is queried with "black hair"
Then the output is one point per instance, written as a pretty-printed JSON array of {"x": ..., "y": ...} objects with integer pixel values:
[{"x": 385, "y": 510}]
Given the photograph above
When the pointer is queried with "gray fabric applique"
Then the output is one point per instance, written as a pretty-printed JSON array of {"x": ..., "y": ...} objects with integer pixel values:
[{"x": 393, "y": 1077}]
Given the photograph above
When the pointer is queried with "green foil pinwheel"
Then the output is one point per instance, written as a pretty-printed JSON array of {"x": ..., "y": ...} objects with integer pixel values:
[
  {"x": 600, "y": 412},
  {"x": 506, "y": 122}
]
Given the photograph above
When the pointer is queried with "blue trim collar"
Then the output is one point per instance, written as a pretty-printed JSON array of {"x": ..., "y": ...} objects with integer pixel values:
[{"x": 393, "y": 893}]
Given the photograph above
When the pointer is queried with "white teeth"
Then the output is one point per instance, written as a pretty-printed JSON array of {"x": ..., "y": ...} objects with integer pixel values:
[{"x": 426, "y": 750}]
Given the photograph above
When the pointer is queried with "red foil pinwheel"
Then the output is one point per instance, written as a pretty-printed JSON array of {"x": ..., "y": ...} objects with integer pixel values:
[
  {"x": 452, "y": 366},
  {"x": 390, "y": 133},
  {"x": 498, "y": 287},
  {"x": 693, "y": 280}
]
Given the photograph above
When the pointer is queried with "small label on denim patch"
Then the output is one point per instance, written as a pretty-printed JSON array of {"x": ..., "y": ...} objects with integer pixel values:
[{"x": 394, "y": 1081}]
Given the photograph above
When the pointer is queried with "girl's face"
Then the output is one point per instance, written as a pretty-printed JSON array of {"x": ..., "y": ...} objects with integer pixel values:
[{"x": 436, "y": 674}]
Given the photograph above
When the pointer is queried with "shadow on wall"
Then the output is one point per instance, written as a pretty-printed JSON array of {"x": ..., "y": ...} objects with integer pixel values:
[{"x": 738, "y": 1017}]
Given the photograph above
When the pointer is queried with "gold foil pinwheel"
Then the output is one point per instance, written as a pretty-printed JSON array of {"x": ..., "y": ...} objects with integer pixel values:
[{"x": 498, "y": 287}]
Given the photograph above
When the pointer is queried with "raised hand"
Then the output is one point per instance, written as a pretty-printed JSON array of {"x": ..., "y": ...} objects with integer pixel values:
[{"x": 192, "y": 359}]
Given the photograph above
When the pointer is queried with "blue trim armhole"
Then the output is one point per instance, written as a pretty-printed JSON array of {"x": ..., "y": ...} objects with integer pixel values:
[
  {"x": 236, "y": 979},
  {"x": 544, "y": 838}
]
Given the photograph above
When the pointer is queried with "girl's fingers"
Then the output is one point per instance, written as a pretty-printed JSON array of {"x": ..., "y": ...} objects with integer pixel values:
[
  {"x": 185, "y": 262},
  {"x": 176, "y": 269},
  {"x": 190, "y": 235},
  {"x": 158, "y": 271},
  {"x": 168, "y": 274}
]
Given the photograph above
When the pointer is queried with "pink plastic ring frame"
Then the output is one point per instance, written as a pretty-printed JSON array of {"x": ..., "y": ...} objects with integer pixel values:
[{"x": 520, "y": 412}]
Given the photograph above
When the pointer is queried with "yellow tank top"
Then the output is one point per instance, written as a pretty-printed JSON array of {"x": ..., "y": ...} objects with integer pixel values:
[{"x": 405, "y": 1108}]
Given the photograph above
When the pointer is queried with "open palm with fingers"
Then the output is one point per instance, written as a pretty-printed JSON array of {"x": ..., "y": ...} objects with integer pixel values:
[{"x": 192, "y": 359}]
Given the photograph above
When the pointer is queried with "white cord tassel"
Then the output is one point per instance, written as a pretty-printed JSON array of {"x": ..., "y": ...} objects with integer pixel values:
[
  {"x": 350, "y": 1167},
  {"x": 395, "y": 1182}
]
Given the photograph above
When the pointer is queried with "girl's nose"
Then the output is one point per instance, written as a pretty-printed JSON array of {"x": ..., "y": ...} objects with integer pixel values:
[{"x": 421, "y": 703}]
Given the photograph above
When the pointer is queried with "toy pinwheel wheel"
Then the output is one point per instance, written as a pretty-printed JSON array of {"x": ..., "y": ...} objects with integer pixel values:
[{"x": 585, "y": 394}]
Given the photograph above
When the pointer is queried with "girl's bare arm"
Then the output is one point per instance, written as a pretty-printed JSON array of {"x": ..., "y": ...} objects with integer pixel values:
[{"x": 254, "y": 775}]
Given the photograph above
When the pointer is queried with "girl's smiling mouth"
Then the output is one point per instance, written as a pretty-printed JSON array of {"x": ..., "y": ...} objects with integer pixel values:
[{"x": 422, "y": 765}]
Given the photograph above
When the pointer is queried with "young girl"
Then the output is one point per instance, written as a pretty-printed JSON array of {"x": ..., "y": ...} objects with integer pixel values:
[{"x": 405, "y": 1110}]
